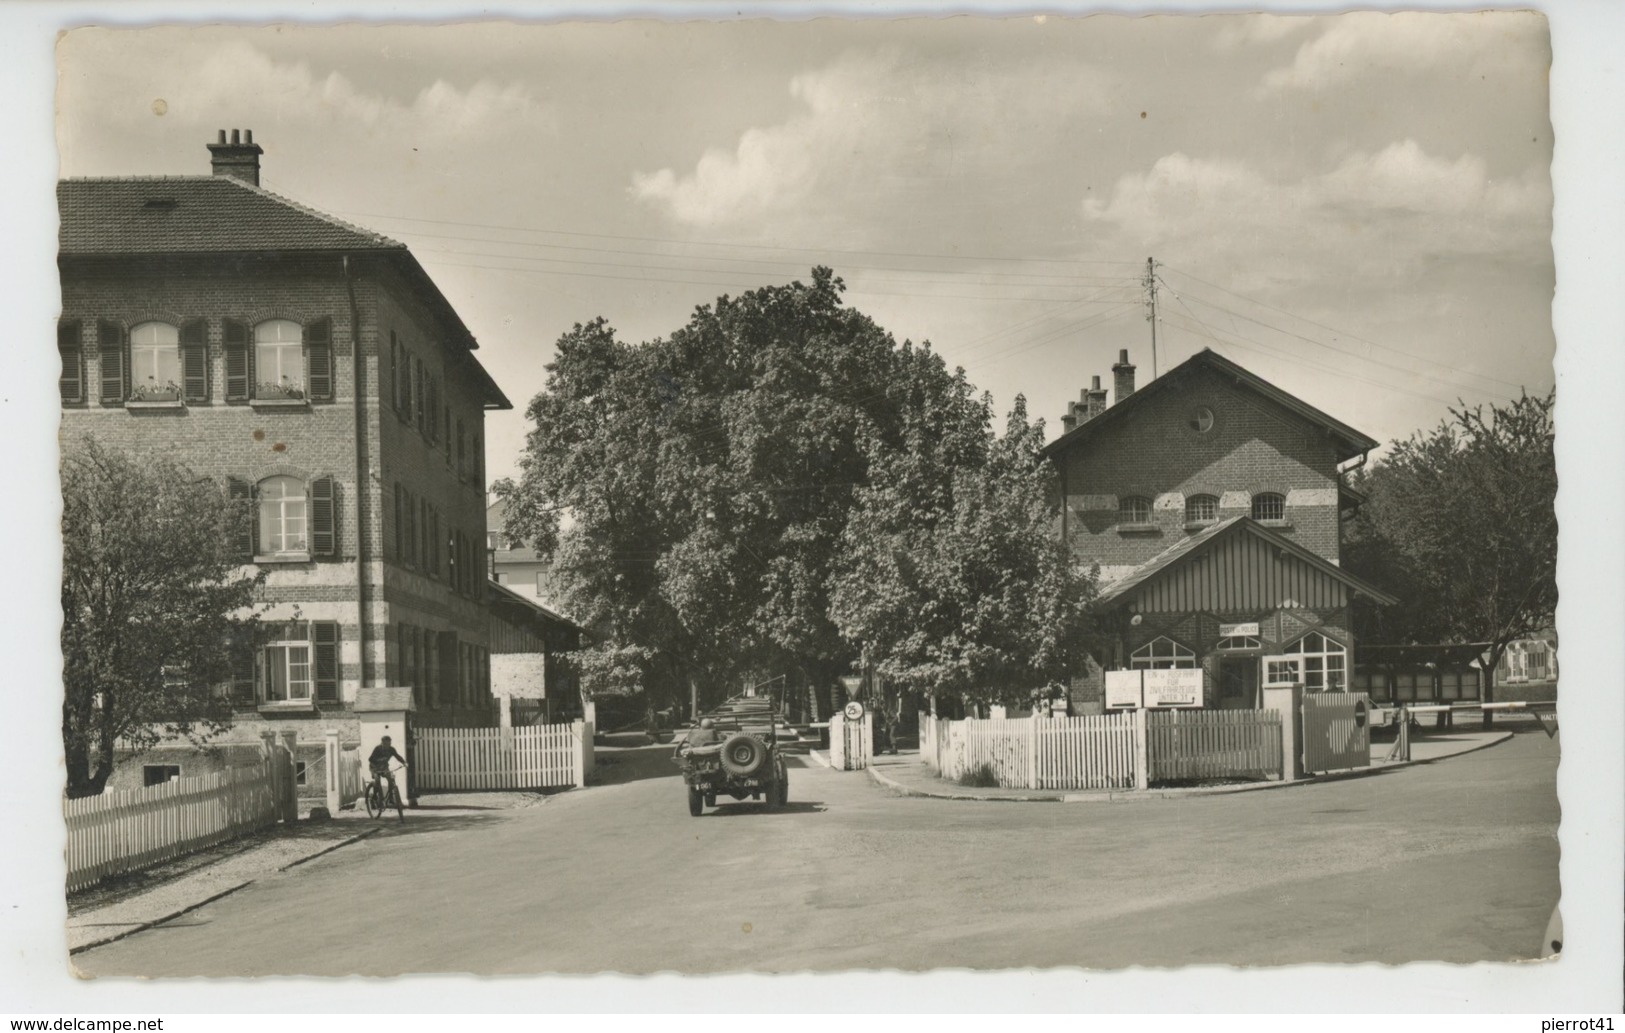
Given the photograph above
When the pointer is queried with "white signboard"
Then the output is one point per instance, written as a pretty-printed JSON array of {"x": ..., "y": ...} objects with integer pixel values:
[
  {"x": 519, "y": 674},
  {"x": 1238, "y": 630},
  {"x": 1123, "y": 689},
  {"x": 1177, "y": 687}
]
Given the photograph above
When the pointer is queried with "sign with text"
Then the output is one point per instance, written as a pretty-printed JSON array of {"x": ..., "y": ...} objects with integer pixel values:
[
  {"x": 1123, "y": 689},
  {"x": 519, "y": 674},
  {"x": 1176, "y": 687},
  {"x": 1238, "y": 630}
]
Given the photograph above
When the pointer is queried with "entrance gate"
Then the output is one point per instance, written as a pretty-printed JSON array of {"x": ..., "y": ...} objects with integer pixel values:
[{"x": 1336, "y": 731}]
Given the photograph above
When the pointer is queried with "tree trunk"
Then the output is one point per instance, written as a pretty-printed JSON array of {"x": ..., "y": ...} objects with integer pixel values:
[{"x": 1486, "y": 691}]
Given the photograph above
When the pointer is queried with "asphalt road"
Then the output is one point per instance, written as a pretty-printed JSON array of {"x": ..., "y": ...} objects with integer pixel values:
[{"x": 1454, "y": 861}]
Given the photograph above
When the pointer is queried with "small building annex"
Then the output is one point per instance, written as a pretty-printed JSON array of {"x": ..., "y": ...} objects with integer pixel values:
[{"x": 1212, "y": 503}]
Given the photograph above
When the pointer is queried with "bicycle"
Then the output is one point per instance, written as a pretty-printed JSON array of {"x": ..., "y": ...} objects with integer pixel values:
[{"x": 379, "y": 800}]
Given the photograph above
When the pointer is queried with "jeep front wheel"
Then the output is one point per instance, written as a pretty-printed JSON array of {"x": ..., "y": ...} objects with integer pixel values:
[{"x": 696, "y": 802}]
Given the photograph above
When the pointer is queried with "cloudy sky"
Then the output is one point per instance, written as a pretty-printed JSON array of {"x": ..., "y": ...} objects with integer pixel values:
[{"x": 1357, "y": 207}]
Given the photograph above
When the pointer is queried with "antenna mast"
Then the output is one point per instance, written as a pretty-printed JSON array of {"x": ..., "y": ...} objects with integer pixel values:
[{"x": 1151, "y": 308}]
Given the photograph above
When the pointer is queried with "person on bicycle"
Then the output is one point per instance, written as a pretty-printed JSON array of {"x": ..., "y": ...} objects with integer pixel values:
[{"x": 379, "y": 760}]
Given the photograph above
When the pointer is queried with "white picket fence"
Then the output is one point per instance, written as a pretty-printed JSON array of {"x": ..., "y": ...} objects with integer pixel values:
[
  {"x": 129, "y": 830},
  {"x": 530, "y": 757},
  {"x": 1096, "y": 752}
]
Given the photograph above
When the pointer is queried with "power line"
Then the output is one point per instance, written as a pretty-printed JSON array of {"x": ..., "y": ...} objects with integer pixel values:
[
  {"x": 1335, "y": 330},
  {"x": 727, "y": 244}
]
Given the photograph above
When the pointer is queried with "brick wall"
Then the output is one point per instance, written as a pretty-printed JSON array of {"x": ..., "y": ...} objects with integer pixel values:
[
  {"x": 1253, "y": 446},
  {"x": 239, "y": 440}
]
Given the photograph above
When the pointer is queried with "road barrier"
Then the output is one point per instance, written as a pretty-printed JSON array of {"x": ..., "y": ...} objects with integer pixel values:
[{"x": 531, "y": 757}]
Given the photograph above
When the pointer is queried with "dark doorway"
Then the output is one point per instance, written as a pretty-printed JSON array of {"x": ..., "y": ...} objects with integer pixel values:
[{"x": 1238, "y": 683}]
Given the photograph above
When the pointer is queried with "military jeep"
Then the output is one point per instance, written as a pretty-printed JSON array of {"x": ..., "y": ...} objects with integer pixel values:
[{"x": 745, "y": 764}]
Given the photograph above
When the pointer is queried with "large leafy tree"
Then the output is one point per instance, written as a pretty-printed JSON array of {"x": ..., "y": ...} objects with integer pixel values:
[
  {"x": 953, "y": 580},
  {"x": 152, "y": 596},
  {"x": 695, "y": 491},
  {"x": 1461, "y": 525}
]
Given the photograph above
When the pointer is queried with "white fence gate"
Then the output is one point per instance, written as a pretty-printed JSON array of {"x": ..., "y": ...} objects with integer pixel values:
[
  {"x": 851, "y": 743},
  {"x": 126, "y": 831},
  {"x": 530, "y": 757}
]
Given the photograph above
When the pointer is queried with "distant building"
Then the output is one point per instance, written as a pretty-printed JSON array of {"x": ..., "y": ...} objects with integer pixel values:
[
  {"x": 314, "y": 368},
  {"x": 1213, "y": 503},
  {"x": 514, "y": 566}
]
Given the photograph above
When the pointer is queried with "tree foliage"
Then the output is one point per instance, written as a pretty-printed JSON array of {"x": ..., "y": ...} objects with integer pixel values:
[
  {"x": 696, "y": 492},
  {"x": 152, "y": 595},
  {"x": 1461, "y": 526}
]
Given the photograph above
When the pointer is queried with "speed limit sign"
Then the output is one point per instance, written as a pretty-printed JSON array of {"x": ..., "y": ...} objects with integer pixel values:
[{"x": 854, "y": 711}]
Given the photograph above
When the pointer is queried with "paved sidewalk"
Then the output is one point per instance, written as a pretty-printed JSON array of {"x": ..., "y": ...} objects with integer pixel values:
[
  {"x": 905, "y": 773},
  {"x": 192, "y": 881}
]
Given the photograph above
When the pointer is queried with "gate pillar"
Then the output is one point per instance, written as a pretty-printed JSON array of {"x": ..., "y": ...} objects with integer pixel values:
[
  {"x": 1287, "y": 700},
  {"x": 384, "y": 710}
]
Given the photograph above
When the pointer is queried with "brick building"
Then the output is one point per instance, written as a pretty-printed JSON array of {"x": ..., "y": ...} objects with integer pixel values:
[
  {"x": 1212, "y": 502},
  {"x": 314, "y": 368}
]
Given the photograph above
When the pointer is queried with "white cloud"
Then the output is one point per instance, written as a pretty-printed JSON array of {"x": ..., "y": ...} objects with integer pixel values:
[
  {"x": 1460, "y": 45},
  {"x": 868, "y": 122},
  {"x": 1381, "y": 214},
  {"x": 441, "y": 110}
]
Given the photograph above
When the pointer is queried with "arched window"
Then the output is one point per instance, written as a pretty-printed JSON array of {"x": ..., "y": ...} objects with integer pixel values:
[
  {"x": 1134, "y": 511},
  {"x": 1201, "y": 509},
  {"x": 155, "y": 362},
  {"x": 282, "y": 516},
  {"x": 279, "y": 360},
  {"x": 1325, "y": 663},
  {"x": 1267, "y": 505},
  {"x": 1161, "y": 653}
]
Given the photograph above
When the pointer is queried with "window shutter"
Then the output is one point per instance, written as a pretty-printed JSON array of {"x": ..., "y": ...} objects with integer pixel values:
[
  {"x": 242, "y": 494},
  {"x": 242, "y": 669},
  {"x": 239, "y": 361},
  {"x": 195, "y": 361},
  {"x": 400, "y": 538},
  {"x": 319, "y": 359},
  {"x": 115, "y": 357},
  {"x": 72, "y": 353},
  {"x": 324, "y": 539},
  {"x": 393, "y": 379},
  {"x": 325, "y": 645}
]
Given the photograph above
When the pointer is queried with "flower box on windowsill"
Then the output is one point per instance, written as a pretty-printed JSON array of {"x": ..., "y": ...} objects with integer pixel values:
[
  {"x": 282, "y": 557},
  {"x": 287, "y": 706},
  {"x": 140, "y": 403},
  {"x": 280, "y": 402}
]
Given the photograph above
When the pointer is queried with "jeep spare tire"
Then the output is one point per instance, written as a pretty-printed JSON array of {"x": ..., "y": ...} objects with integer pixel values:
[{"x": 743, "y": 754}]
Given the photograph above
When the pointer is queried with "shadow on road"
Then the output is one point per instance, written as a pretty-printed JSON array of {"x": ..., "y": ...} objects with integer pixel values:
[
  {"x": 733, "y": 809},
  {"x": 617, "y": 767}
]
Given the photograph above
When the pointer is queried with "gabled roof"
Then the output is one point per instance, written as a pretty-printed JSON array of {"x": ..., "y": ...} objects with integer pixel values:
[
  {"x": 1206, "y": 538},
  {"x": 1350, "y": 441},
  {"x": 196, "y": 214},
  {"x": 211, "y": 215}
]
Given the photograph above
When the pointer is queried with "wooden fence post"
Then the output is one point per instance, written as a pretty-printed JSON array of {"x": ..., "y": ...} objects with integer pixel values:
[
  {"x": 1032, "y": 751},
  {"x": 577, "y": 728},
  {"x": 331, "y": 761},
  {"x": 1142, "y": 755}
]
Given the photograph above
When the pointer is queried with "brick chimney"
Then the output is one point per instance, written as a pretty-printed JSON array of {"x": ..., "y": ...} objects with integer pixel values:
[
  {"x": 1095, "y": 399},
  {"x": 239, "y": 159},
  {"x": 1122, "y": 377}
]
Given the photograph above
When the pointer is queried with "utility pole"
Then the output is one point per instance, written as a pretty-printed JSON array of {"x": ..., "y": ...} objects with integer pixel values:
[{"x": 1151, "y": 308}]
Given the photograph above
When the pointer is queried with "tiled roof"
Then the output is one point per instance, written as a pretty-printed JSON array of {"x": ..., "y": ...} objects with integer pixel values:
[
  {"x": 1350, "y": 441},
  {"x": 1180, "y": 551},
  {"x": 197, "y": 214}
]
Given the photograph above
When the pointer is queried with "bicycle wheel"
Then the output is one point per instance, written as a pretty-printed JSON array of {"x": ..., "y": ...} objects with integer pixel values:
[
  {"x": 375, "y": 800},
  {"x": 395, "y": 802}
]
